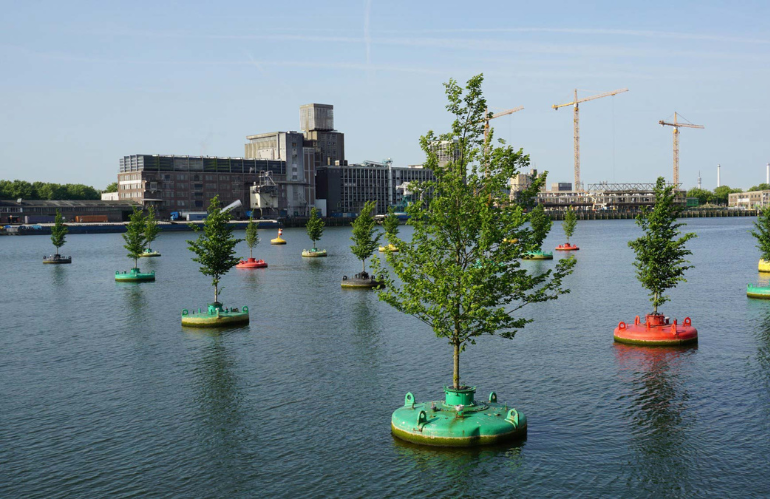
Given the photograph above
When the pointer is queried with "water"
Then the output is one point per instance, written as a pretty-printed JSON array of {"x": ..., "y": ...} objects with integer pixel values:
[{"x": 103, "y": 393}]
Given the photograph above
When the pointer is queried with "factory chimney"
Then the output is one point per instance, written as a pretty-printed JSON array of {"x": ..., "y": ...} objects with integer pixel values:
[{"x": 719, "y": 177}]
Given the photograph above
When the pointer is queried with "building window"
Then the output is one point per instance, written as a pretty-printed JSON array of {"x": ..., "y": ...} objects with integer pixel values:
[
  {"x": 180, "y": 203},
  {"x": 181, "y": 177}
]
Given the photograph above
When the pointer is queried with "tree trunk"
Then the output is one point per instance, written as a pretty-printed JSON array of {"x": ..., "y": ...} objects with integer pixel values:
[
  {"x": 456, "y": 373},
  {"x": 251, "y": 252},
  {"x": 655, "y": 303},
  {"x": 216, "y": 292},
  {"x": 136, "y": 263},
  {"x": 363, "y": 264}
]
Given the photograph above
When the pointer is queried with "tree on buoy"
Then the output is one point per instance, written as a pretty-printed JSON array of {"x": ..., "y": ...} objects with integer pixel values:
[
  {"x": 660, "y": 256},
  {"x": 151, "y": 227},
  {"x": 569, "y": 224},
  {"x": 314, "y": 227},
  {"x": 762, "y": 233},
  {"x": 252, "y": 238},
  {"x": 540, "y": 225},
  {"x": 364, "y": 238},
  {"x": 391, "y": 223},
  {"x": 58, "y": 232},
  {"x": 134, "y": 236},
  {"x": 215, "y": 247},
  {"x": 457, "y": 274}
]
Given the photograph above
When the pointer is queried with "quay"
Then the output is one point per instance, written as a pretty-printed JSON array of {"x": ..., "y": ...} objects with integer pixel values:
[
  {"x": 119, "y": 227},
  {"x": 630, "y": 215}
]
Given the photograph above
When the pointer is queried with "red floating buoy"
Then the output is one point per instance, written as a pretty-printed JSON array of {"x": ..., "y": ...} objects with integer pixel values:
[
  {"x": 656, "y": 331},
  {"x": 251, "y": 263},
  {"x": 567, "y": 247}
]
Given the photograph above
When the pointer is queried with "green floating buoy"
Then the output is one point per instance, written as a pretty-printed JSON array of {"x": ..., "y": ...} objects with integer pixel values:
[
  {"x": 458, "y": 421},
  {"x": 313, "y": 253},
  {"x": 134, "y": 275},
  {"x": 761, "y": 292},
  {"x": 216, "y": 315},
  {"x": 538, "y": 255},
  {"x": 362, "y": 280}
]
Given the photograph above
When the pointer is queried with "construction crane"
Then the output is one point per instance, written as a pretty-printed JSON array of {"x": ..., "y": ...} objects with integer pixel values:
[
  {"x": 575, "y": 103},
  {"x": 497, "y": 115},
  {"x": 677, "y": 126}
]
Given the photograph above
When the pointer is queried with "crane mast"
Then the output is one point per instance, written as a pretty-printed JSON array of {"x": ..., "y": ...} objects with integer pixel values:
[
  {"x": 576, "y": 119},
  {"x": 676, "y": 125}
]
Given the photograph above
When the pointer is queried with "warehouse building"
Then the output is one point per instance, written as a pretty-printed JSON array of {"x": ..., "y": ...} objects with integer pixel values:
[
  {"x": 43, "y": 211},
  {"x": 187, "y": 183}
]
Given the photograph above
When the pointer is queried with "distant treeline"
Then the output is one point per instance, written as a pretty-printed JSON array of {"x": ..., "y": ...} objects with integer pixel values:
[
  {"x": 15, "y": 189},
  {"x": 717, "y": 196}
]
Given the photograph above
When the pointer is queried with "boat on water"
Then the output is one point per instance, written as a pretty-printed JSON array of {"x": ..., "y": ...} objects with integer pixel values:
[{"x": 567, "y": 247}]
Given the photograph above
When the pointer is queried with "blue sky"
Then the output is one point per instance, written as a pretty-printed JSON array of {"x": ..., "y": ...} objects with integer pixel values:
[{"x": 85, "y": 83}]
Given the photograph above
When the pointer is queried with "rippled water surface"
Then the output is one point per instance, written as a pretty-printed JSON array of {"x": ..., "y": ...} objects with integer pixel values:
[{"x": 103, "y": 393}]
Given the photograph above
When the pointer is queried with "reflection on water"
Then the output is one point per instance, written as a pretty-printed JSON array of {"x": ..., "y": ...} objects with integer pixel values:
[
  {"x": 657, "y": 412},
  {"x": 457, "y": 467},
  {"x": 58, "y": 274},
  {"x": 365, "y": 331},
  {"x": 219, "y": 401},
  {"x": 763, "y": 351}
]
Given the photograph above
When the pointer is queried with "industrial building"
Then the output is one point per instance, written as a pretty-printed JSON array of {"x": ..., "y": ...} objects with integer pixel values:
[
  {"x": 187, "y": 183},
  {"x": 343, "y": 190},
  {"x": 283, "y": 173},
  {"x": 317, "y": 144},
  {"x": 749, "y": 199},
  {"x": 30, "y": 211}
]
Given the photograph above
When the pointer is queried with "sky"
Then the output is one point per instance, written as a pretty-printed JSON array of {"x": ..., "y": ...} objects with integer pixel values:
[{"x": 83, "y": 84}]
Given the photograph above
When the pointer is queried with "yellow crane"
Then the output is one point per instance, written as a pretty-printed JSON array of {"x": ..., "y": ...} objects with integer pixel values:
[
  {"x": 575, "y": 103},
  {"x": 497, "y": 115},
  {"x": 677, "y": 126}
]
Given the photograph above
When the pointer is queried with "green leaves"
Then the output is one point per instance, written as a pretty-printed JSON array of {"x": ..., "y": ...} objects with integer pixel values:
[
  {"x": 762, "y": 233},
  {"x": 315, "y": 226},
  {"x": 135, "y": 237},
  {"x": 660, "y": 257},
  {"x": 151, "y": 227},
  {"x": 252, "y": 238},
  {"x": 364, "y": 239},
  {"x": 215, "y": 247},
  {"x": 459, "y": 274},
  {"x": 58, "y": 231},
  {"x": 391, "y": 222},
  {"x": 540, "y": 224},
  {"x": 569, "y": 223}
]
